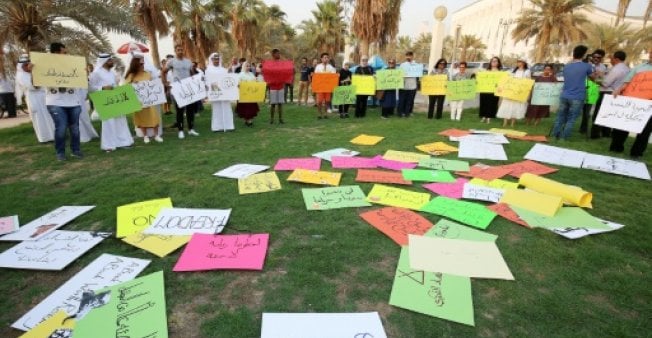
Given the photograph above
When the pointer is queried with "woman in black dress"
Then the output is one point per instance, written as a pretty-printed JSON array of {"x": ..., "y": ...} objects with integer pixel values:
[{"x": 489, "y": 101}]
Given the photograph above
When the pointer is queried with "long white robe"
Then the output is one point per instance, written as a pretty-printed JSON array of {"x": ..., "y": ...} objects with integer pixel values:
[
  {"x": 222, "y": 116},
  {"x": 38, "y": 111},
  {"x": 86, "y": 130},
  {"x": 115, "y": 131}
]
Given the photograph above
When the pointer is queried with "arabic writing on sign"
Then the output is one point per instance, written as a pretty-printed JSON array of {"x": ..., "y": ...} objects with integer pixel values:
[{"x": 150, "y": 93}]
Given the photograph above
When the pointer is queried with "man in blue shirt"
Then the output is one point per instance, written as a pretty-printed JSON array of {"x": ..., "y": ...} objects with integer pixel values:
[{"x": 573, "y": 93}]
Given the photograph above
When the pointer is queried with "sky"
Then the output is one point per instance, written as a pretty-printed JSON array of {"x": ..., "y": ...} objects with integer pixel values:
[{"x": 416, "y": 15}]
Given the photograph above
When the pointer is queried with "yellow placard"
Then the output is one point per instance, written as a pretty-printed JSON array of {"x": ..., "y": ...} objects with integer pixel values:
[
  {"x": 434, "y": 84},
  {"x": 366, "y": 140},
  {"x": 404, "y": 156},
  {"x": 315, "y": 177},
  {"x": 136, "y": 217},
  {"x": 495, "y": 183},
  {"x": 543, "y": 204},
  {"x": 395, "y": 197},
  {"x": 436, "y": 148},
  {"x": 569, "y": 194},
  {"x": 514, "y": 89},
  {"x": 364, "y": 84},
  {"x": 508, "y": 132},
  {"x": 252, "y": 91},
  {"x": 160, "y": 245},
  {"x": 47, "y": 327},
  {"x": 258, "y": 183},
  {"x": 59, "y": 70},
  {"x": 488, "y": 80}
]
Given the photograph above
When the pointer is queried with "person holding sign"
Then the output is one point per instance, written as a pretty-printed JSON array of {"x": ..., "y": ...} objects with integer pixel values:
[
  {"x": 275, "y": 79},
  {"x": 489, "y": 101},
  {"x": 437, "y": 100},
  {"x": 511, "y": 110},
  {"x": 408, "y": 93},
  {"x": 35, "y": 99},
  {"x": 179, "y": 69},
  {"x": 458, "y": 105},
  {"x": 247, "y": 110},
  {"x": 613, "y": 80},
  {"x": 323, "y": 99},
  {"x": 115, "y": 131},
  {"x": 361, "y": 100},
  {"x": 222, "y": 116},
  {"x": 345, "y": 80},
  {"x": 388, "y": 101},
  {"x": 146, "y": 117},
  {"x": 536, "y": 113},
  {"x": 618, "y": 137}
]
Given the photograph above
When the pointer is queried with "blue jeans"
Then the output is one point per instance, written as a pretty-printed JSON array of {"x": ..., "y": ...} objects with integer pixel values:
[
  {"x": 65, "y": 117},
  {"x": 568, "y": 112}
]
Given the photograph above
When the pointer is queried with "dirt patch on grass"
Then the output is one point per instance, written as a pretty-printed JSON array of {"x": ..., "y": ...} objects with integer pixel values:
[
  {"x": 243, "y": 290},
  {"x": 183, "y": 319},
  {"x": 602, "y": 301}
]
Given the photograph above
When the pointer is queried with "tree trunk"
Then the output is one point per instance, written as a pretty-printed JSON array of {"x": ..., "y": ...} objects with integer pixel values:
[
  {"x": 153, "y": 48},
  {"x": 463, "y": 55},
  {"x": 364, "y": 47}
]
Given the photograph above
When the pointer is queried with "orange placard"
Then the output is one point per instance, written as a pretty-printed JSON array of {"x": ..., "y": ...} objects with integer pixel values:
[
  {"x": 454, "y": 132},
  {"x": 324, "y": 82},
  {"x": 640, "y": 86},
  {"x": 397, "y": 223},
  {"x": 506, "y": 212},
  {"x": 381, "y": 176},
  {"x": 527, "y": 166},
  {"x": 533, "y": 138},
  {"x": 485, "y": 172}
]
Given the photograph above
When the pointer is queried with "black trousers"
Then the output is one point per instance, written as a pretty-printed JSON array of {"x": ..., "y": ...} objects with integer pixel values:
[
  {"x": 387, "y": 111},
  {"x": 435, "y": 100},
  {"x": 597, "y": 131},
  {"x": 343, "y": 108},
  {"x": 618, "y": 138},
  {"x": 586, "y": 116},
  {"x": 8, "y": 100},
  {"x": 189, "y": 111},
  {"x": 289, "y": 90},
  {"x": 406, "y": 101},
  {"x": 361, "y": 105}
]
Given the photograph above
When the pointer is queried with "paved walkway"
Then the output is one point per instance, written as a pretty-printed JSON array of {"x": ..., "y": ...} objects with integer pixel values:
[{"x": 12, "y": 122}]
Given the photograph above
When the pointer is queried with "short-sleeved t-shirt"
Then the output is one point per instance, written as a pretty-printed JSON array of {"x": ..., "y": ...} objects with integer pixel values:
[
  {"x": 305, "y": 73},
  {"x": 575, "y": 75},
  {"x": 180, "y": 69}
]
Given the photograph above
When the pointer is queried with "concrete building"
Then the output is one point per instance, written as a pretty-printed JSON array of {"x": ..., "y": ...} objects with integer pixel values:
[{"x": 493, "y": 21}]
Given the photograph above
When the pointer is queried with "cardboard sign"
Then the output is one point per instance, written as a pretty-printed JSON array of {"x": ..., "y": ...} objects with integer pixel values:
[
  {"x": 481, "y": 193},
  {"x": 259, "y": 183},
  {"x": 8, "y": 224},
  {"x": 592, "y": 92},
  {"x": 301, "y": 325},
  {"x": 160, "y": 245},
  {"x": 503, "y": 210},
  {"x": 451, "y": 190},
  {"x": 252, "y": 91},
  {"x": 404, "y": 156},
  {"x": 327, "y": 154},
  {"x": 393, "y": 164},
  {"x": 624, "y": 113},
  {"x": 381, "y": 176},
  {"x": 566, "y": 217},
  {"x": 289, "y": 164},
  {"x": 59, "y": 325},
  {"x": 485, "y": 172},
  {"x": 223, "y": 87},
  {"x": 460, "y": 90},
  {"x": 315, "y": 177},
  {"x": 546, "y": 93},
  {"x": 242, "y": 170},
  {"x": 136, "y": 217},
  {"x": 444, "y": 164},
  {"x": 325, "y": 82},
  {"x": 47, "y": 223},
  {"x": 615, "y": 165},
  {"x": 436, "y": 148},
  {"x": 395, "y": 197},
  {"x": 186, "y": 221},
  {"x": 150, "y": 93},
  {"x": 412, "y": 69},
  {"x": 104, "y": 271},
  {"x": 425, "y": 175},
  {"x": 389, "y": 79},
  {"x": 276, "y": 72},
  {"x": 59, "y": 70},
  {"x": 454, "y": 132},
  {"x": 343, "y": 95},
  {"x": 481, "y": 150},
  {"x": 640, "y": 86},
  {"x": 397, "y": 223},
  {"x": 189, "y": 90},
  {"x": 355, "y": 162},
  {"x": 533, "y": 201},
  {"x": 119, "y": 101},
  {"x": 364, "y": 84},
  {"x": 579, "y": 232},
  {"x": 527, "y": 166},
  {"x": 488, "y": 80},
  {"x": 350, "y": 196},
  {"x": 569, "y": 193},
  {"x": 224, "y": 252},
  {"x": 434, "y": 84},
  {"x": 470, "y": 213},
  {"x": 515, "y": 89},
  {"x": 555, "y": 155},
  {"x": 366, "y": 140}
]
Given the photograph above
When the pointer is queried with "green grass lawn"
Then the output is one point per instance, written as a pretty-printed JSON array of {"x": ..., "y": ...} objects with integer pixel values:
[{"x": 331, "y": 261}]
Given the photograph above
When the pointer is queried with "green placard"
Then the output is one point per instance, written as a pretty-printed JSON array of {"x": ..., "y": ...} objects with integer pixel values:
[
  {"x": 488, "y": 80},
  {"x": 592, "y": 92},
  {"x": 460, "y": 90},
  {"x": 444, "y": 164},
  {"x": 334, "y": 198},
  {"x": 470, "y": 213},
  {"x": 389, "y": 79},
  {"x": 115, "y": 102},
  {"x": 343, "y": 95},
  {"x": 566, "y": 217},
  {"x": 424, "y": 175}
]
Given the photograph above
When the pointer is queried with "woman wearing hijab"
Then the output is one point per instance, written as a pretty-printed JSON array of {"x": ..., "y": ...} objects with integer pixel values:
[
  {"x": 222, "y": 117},
  {"x": 247, "y": 111},
  {"x": 146, "y": 118},
  {"x": 35, "y": 99}
]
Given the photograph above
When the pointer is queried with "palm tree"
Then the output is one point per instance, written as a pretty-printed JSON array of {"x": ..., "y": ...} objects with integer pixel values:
[
  {"x": 246, "y": 16},
  {"x": 471, "y": 42},
  {"x": 551, "y": 21},
  {"x": 326, "y": 30},
  {"x": 421, "y": 47},
  {"x": 375, "y": 21},
  {"x": 150, "y": 16},
  {"x": 275, "y": 32},
  {"x": 621, "y": 12},
  {"x": 648, "y": 11},
  {"x": 611, "y": 38}
]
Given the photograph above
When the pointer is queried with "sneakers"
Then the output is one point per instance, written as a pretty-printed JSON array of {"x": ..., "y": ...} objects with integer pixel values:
[
  {"x": 78, "y": 154},
  {"x": 193, "y": 132},
  {"x": 158, "y": 139},
  {"x": 181, "y": 135},
  {"x": 329, "y": 111},
  {"x": 146, "y": 139},
  {"x": 61, "y": 157}
]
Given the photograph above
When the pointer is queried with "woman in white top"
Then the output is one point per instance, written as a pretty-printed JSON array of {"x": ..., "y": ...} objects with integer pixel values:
[
  {"x": 511, "y": 110},
  {"x": 222, "y": 116}
]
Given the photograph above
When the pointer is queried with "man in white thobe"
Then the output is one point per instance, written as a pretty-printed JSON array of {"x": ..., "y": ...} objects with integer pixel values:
[
  {"x": 35, "y": 99},
  {"x": 222, "y": 117}
]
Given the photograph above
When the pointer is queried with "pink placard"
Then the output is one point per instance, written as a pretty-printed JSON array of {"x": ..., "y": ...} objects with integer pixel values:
[
  {"x": 345, "y": 162},
  {"x": 392, "y": 165},
  {"x": 290, "y": 164},
  {"x": 224, "y": 252},
  {"x": 8, "y": 224},
  {"x": 452, "y": 190}
]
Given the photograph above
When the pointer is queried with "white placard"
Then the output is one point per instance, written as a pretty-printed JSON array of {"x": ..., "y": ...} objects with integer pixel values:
[
  {"x": 53, "y": 251},
  {"x": 240, "y": 171},
  {"x": 47, "y": 223},
  {"x": 150, "y": 93},
  {"x": 484, "y": 138},
  {"x": 8, "y": 224},
  {"x": 322, "y": 325},
  {"x": 575, "y": 233},
  {"x": 624, "y": 113},
  {"x": 189, "y": 90},
  {"x": 185, "y": 221},
  {"x": 480, "y": 150},
  {"x": 555, "y": 155},
  {"x": 104, "y": 271},
  {"x": 326, "y": 155},
  {"x": 223, "y": 87},
  {"x": 614, "y": 165},
  {"x": 477, "y": 192}
]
